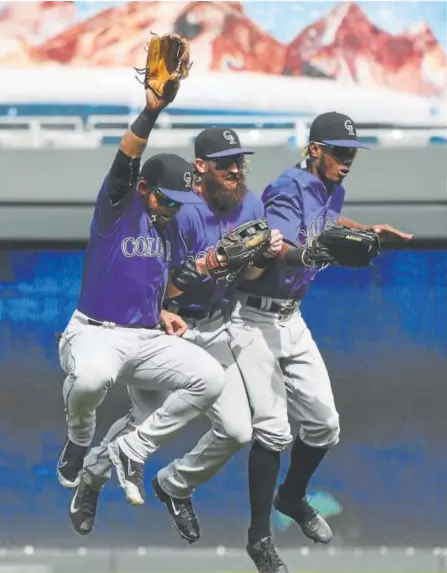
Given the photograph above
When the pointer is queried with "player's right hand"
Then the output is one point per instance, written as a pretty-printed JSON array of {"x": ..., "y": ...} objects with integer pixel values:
[
  {"x": 173, "y": 323},
  {"x": 276, "y": 244}
]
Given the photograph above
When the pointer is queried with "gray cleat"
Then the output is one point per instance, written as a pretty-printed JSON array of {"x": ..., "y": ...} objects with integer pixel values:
[
  {"x": 264, "y": 555},
  {"x": 130, "y": 474},
  {"x": 312, "y": 524},
  {"x": 83, "y": 508}
]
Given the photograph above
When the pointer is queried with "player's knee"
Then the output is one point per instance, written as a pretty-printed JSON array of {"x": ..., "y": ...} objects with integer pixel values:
[
  {"x": 331, "y": 433},
  {"x": 212, "y": 380},
  {"x": 92, "y": 378},
  {"x": 276, "y": 442},
  {"x": 239, "y": 432},
  {"x": 322, "y": 435}
]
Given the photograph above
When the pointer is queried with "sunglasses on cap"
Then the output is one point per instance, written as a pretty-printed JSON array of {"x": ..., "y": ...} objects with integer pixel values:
[
  {"x": 340, "y": 153},
  {"x": 223, "y": 163},
  {"x": 164, "y": 201}
]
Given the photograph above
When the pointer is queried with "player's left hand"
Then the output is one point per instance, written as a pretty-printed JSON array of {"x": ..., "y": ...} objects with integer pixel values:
[
  {"x": 276, "y": 244},
  {"x": 167, "y": 64},
  {"x": 173, "y": 323},
  {"x": 388, "y": 233}
]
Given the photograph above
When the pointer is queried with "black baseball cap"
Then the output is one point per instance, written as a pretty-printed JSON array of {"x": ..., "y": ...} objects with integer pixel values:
[
  {"x": 335, "y": 129},
  {"x": 172, "y": 175},
  {"x": 218, "y": 142}
]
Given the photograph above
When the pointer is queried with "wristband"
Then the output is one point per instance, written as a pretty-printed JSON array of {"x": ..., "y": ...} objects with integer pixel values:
[
  {"x": 144, "y": 123},
  {"x": 295, "y": 256},
  {"x": 262, "y": 262}
]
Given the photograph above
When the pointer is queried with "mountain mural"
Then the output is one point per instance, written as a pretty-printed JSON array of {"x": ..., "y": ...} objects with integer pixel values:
[{"x": 342, "y": 45}]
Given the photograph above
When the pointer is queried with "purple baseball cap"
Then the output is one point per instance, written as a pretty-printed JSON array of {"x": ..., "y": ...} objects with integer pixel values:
[
  {"x": 335, "y": 129},
  {"x": 172, "y": 175},
  {"x": 217, "y": 142}
]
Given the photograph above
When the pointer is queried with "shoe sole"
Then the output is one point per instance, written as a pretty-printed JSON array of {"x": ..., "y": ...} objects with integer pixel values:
[
  {"x": 67, "y": 484},
  {"x": 159, "y": 493},
  {"x": 80, "y": 532},
  {"x": 114, "y": 453}
]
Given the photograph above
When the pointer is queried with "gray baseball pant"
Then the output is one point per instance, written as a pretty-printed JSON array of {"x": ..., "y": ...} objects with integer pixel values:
[
  {"x": 146, "y": 360},
  {"x": 284, "y": 373},
  {"x": 230, "y": 416}
]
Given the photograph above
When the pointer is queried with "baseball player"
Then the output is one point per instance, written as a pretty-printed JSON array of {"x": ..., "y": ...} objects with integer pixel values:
[
  {"x": 194, "y": 233},
  {"x": 272, "y": 343},
  {"x": 114, "y": 336},
  {"x": 263, "y": 338},
  {"x": 220, "y": 165},
  {"x": 226, "y": 205}
]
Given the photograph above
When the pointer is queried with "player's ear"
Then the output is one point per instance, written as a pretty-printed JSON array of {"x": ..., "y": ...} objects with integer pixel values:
[
  {"x": 142, "y": 187},
  {"x": 314, "y": 150},
  {"x": 200, "y": 165}
]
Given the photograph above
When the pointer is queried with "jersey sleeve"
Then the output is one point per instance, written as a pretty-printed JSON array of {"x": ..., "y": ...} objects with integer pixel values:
[
  {"x": 117, "y": 190},
  {"x": 283, "y": 210},
  {"x": 337, "y": 199},
  {"x": 179, "y": 235},
  {"x": 258, "y": 208}
]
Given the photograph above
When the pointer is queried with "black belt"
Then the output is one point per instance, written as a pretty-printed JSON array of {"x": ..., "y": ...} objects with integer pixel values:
[
  {"x": 276, "y": 308},
  {"x": 99, "y": 323},
  {"x": 196, "y": 314}
]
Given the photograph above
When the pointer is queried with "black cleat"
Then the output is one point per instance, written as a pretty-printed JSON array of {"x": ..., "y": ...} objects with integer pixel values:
[
  {"x": 130, "y": 474},
  {"x": 264, "y": 555},
  {"x": 181, "y": 513},
  {"x": 312, "y": 524},
  {"x": 69, "y": 464},
  {"x": 83, "y": 508}
]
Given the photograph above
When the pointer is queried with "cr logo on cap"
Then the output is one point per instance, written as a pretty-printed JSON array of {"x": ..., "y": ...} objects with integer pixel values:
[
  {"x": 229, "y": 137},
  {"x": 187, "y": 178},
  {"x": 349, "y": 127}
]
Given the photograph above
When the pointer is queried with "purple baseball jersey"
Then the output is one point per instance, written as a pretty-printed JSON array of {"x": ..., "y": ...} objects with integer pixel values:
[
  {"x": 299, "y": 205},
  {"x": 126, "y": 264},
  {"x": 194, "y": 231}
]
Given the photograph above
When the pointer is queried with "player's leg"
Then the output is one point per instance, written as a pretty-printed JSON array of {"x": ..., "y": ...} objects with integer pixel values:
[
  {"x": 230, "y": 431},
  {"x": 311, "y": 403},
  {"x": 97, "y": 468},
  {"x": 257, "y": 345},
  {"x": 195, "y": 381},
  {"x": 96, "y": 472},
  {"x": 91, "y": 356}
]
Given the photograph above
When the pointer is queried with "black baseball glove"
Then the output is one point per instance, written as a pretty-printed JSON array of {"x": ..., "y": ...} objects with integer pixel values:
[
  {"x": 242, "y": 246},
  {"x": 237, "y": 249},
  {"x": 342, "y": 246},
  {"x": 186, "y": 277}
]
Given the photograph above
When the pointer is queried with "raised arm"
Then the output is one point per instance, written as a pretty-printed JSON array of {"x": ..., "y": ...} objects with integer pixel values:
[
  {"x": 126, "y": 166},
  {"x": 167, "y": 63}
]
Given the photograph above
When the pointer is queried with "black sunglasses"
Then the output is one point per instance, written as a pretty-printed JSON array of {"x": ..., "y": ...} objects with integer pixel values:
[
  {"x": 164, "y": 201},
  {"x": 340, "y": 153},
  {"x": 228, "y": 161}
]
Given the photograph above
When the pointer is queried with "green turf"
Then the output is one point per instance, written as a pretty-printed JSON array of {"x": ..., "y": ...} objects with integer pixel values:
[
  {"x": 186, "y": 570},
  {"x": 293, "y": 571}
]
